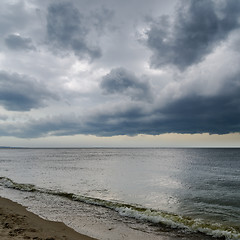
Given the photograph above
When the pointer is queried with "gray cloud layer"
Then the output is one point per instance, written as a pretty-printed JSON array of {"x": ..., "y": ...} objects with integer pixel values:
[
  {"x": 16, "y": 42},
  {"x": 192, "y": 114},
  {"x": 119, "y": 93},
  {"x": 21, "y": 93},
  {"x": 197, "y": 29},
  {"x": 122, "y": 81},
  {"x": 66, "y": 30},
  {"x": 215, "y": 115}
]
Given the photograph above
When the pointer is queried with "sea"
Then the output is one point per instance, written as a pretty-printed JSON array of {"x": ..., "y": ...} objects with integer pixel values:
[{"x": 166, "y": 193}]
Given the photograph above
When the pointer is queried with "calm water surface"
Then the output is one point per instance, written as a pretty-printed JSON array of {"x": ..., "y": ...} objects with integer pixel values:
[{"x": 197, "y": 183}]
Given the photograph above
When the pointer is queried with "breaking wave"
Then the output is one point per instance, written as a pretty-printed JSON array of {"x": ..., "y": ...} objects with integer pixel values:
[{"x": 138, "y": 212}]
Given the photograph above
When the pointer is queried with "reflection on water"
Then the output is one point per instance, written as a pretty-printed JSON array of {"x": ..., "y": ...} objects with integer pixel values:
[
  {"x": 195, "y": 182},
  {"x": 210, "y": 178}
]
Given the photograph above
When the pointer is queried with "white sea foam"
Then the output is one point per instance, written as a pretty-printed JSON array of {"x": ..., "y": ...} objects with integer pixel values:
[{"x": 138, "y": 212}]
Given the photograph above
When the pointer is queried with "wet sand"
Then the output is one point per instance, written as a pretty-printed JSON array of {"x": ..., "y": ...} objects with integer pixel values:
[{"x": 17, "y": 223}]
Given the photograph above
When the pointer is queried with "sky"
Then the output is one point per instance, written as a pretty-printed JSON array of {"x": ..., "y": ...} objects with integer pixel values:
[{"x": 108, "y": 73}]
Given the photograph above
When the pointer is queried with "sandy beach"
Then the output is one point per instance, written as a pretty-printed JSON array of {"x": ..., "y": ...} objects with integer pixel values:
[{"x": 18, "y": 223}]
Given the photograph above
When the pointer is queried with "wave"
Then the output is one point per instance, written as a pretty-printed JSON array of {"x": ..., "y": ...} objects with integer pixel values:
[{"x": 138, "y": 212}]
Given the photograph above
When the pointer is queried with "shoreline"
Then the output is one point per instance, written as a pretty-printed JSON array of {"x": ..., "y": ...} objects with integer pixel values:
[
  {"x": 18, "y": 223},
  {"x": 114, "y": 227}
]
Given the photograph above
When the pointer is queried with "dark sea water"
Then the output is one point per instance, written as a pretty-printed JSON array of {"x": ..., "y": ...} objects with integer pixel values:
[{"x": 195, "y": 190}]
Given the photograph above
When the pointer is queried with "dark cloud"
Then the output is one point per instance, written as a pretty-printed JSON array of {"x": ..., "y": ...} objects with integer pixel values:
[
  {"x": 51, "y": 126},
  {"x": 66, "y": 30},
  {"x": 21, "y": 93},
  {"x": 128, "y": 102},
  {"x": 120, "y": 80},
  {"x": 16, "y": 42},
  {"x": 198, "y": 28},
  {"x": 100, "y": 124},
  {"x": 219, "y": 114},
  {"x": 195, "y": 114},
  {"x": 216, "y": 114}
]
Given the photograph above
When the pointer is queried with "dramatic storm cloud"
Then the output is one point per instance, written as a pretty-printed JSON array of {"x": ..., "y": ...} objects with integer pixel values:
[
  {"x": 122, "y": 81},
  {"x": 21, "y": 93},
  {"x": 66, "y": 30},
  {"x": 110, "y": 68},
  {"x": 196, "y": 30}
]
